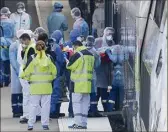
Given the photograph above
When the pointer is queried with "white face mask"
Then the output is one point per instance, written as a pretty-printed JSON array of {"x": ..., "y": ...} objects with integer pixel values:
[
  {"x": 109, "y": 37},
  {"x": 20, "y": 11},
  {"x": 24, "y": 46},
  {"x": 97, "y": 4}
]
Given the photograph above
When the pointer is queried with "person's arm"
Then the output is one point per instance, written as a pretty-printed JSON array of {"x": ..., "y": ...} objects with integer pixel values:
[
  {"x": 59, "y": 55},
  {"x": 74, "y": 62},
  {"x": 65, "y": 25},
  {"x": 53, "y": 68},
  {"x": 30, "y": 52},
  {"x": 13, "y": 58},
  {"x": 112, "y": 56},
  {"x": 28, "y": 70},
  {"x": 27, "y": 22},
  {"x": 94, "y": 20}
]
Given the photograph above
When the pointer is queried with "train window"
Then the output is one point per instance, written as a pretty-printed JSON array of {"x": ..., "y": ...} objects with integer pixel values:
[
  {"x": 159, "y": 64},
  {"x": 159, "y": 11}
]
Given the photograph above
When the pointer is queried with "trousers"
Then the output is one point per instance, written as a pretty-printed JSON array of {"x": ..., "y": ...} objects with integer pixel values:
[
  {"x": 81, "y": 104},
  {"x": 93, "y": 103},
  {"x": 45, "y": 101},
  {"x": 116, "y": 98},
  {"x": 102, "y": 92},
  {"x": 5, "y": 72},
  {"x": 16, "y": 100},
  {"x": 55, "y": 97},
  {"x": 26, "y": 99}
]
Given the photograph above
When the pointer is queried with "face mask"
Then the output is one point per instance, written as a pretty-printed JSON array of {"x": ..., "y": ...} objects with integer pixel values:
[
  {"x": 24, "y": 46},
  {"x": 20, "y": 11},
  {"x": 97, "y": 4},
  {"x": 109, "y": 37}
]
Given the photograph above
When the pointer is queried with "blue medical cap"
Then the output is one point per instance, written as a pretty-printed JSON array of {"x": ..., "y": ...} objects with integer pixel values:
[
  {"x": 74, "y": 34},
  {"x": 58, "y": 6},
  {"x": 57, "y": 35}
]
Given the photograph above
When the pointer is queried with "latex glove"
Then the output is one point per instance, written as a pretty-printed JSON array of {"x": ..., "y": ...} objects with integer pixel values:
[
  {"x": 109, "y": 89},
  {"x": 67, "y": 61}
]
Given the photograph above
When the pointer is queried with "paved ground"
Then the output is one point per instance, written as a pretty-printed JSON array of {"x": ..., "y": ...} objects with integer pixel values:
[{"x": 10, "y": 124}]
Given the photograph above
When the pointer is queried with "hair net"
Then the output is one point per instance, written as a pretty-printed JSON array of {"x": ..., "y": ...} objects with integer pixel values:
[
  {"x": 20, "y": 5},
  {"x": 90, "y": 41},
  {"x": 74, "y": 34},
  {"x": 39, "y": 30},
  {"x": 108, "y": 30},
  {"x": 5, "y": 11},
  {"x": 58, "y": 6},
  {"x": 57, "y": 35},
  {"x": 75, "y": 12}
]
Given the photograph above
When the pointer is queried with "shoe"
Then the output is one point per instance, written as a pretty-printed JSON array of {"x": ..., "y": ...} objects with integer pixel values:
[
  {"x": 30, "y": 128},
  {"x": 54, "y": 116},
  {"x": 38, "y": 118},
  {"x": 61, "y": 114},
  {"x": 75, "y": 126},
  {"x": 7, "y": 84},
  {"x": 23, "y": 120},
  {"x": 45, "y": 127},
  {"x": 95, "y": 114},
  {"x": 17, "y": 115},
  {"x": 71, "y": 115}
]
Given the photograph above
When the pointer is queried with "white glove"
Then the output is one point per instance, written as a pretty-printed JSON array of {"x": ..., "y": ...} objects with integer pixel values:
[{"x": 109, "y": 89}]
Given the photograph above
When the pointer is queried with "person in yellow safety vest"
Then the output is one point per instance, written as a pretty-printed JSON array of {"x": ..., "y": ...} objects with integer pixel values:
[
  {"x": 81, "y": 65},
  {"x": 28, "y": 49},
  {"x": 40, "y": 71}
]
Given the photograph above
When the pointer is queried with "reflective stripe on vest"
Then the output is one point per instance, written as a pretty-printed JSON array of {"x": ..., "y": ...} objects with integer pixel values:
[
  {"x": 4, "y": 47},
  {"x": 83, "y": 71},
  {"x": 82, "y": 80},
  {"x": 40, "y": 73},
  {"x": 38, "y": 82},
  {"x": 26, "y": 52}
]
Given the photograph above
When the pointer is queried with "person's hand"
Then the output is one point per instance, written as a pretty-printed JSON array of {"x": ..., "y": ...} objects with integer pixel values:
[
  {"x": 109, "y": 89},
  {"x": 67, "y": 61}
]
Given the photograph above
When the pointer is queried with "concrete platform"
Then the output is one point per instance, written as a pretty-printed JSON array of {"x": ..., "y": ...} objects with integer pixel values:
[
  {"x": 94, "y": 124},
  {"x": 12, "y": 124}
]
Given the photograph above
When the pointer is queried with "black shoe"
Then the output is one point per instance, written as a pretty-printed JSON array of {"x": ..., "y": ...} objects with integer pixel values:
[
  {"x": 75, "y": 126},
  {"x": 95, "y": 114},
  {"x": 7, "y": 84},
  {"x": 17, "y": 115},
  {"x": 1, "y": 85},
  {"x": 54, "y": 116},
  {"x": 61, "y": 114},
  {"x": 45, "y": 127},
  {"x": 23, "y": 120},
  {"x": 71, "y": 115},
  {"x": 30, "y": 128},
  {"x": 38, "y": 118}
]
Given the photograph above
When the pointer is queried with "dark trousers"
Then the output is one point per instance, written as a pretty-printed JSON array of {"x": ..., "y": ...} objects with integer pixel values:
[{"x": 16, "y": 100}]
